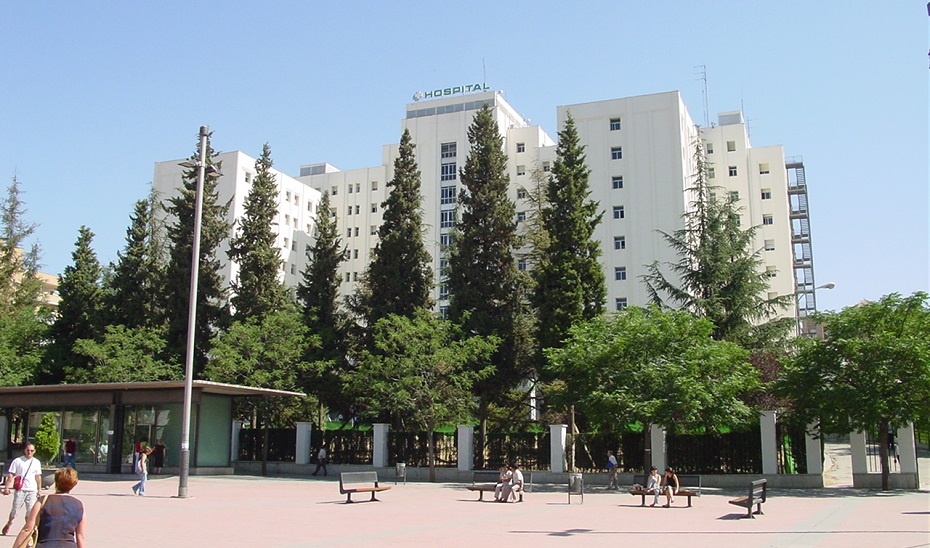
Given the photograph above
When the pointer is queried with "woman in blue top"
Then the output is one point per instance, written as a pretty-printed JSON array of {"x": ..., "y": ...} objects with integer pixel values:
[{"x": 60, "y": 516}]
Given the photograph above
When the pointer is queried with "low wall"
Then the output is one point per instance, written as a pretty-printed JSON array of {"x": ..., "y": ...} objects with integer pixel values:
[{"x": 898, "y": 480}]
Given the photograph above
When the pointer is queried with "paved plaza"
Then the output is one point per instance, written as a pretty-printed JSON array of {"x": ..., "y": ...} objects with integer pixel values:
[{"x": 254, "y": 511}]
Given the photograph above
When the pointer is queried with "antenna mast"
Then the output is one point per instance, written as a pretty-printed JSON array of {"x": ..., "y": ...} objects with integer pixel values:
[{"x": 702, "y": 75}]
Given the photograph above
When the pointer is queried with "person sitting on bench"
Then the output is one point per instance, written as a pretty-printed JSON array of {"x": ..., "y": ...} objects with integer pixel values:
[
  {"x": 653, "y": 484},
  {"x": 670, "y": 486},
  {"x": 506, "y": 475},
  {"x": 516, "y": 484}
]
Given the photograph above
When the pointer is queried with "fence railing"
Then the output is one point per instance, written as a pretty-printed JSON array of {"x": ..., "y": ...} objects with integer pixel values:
[
  {"x": 530, "y": 449},
  {"x": 792, "y": 448},
  {"x": 591, "y": 451},
  {"x": 716, "y": 453},
  {"x": 412, "y": 448}
]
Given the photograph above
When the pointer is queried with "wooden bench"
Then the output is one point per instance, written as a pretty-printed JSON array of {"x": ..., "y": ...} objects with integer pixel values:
[
  {"x": 689, "y": 485},
  {"x": 359, "y": 482},
  {"x": 484, "y": 480},
  {"x": 756, "y": 496}
]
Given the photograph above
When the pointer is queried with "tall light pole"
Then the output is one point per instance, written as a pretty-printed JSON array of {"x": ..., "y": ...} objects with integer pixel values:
[
  {"x": 202, "y": 167},
  {"x": 800, "y": 319}
]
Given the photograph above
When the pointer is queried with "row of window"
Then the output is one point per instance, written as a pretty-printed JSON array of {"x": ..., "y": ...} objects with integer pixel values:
[
  {"x": 357, "y": 187},
  {"x": 357, "y": 208},
  {"x": 733, "y": 171}
]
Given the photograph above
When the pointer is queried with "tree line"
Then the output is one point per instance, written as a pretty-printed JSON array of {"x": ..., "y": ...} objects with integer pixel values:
[{"x": 708, "y": 353}]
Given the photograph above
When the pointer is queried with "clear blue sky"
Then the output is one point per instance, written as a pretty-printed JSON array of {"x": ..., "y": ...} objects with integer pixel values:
[{"x": 94, "y": 93}]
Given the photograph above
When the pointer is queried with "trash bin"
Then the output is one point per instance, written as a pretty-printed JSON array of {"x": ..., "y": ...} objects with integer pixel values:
[
  {"x": 400, "y": 472},
  {"x": 575, "y": 487}
]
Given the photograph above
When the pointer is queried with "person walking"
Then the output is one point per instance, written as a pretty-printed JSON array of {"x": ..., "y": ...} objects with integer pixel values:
[
  {"x": 612, "y": 470},
  {"x": 142, "y": 470},
  {"x": 60, "y": 516},
  {"x": 70, "y": 452},
  {"x": 321, "y": 461},
  {"x": 159, "y": 453},
  {"x": 24, "y": 477}
]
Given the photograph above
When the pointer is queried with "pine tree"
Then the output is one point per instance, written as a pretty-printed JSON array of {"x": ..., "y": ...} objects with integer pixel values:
[
  {"x": 79, "y": 311},
  {"x": 136, "y": 283},
  {"x": 212, "y": 308},
  {"x": 718, "y": 275},
  {"x": 399, "y": 277},
  {"x": 318, "y": 295},
  {"x": 486, "y": 294},
  {"x": 570, "y": 284},
  {"x": 258, "y": 290}
]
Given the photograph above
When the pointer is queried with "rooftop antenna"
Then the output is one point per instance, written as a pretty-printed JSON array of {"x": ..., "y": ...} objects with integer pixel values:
[
  {"x": 484, "y": 73},
  {"x": 742, "y": 109},
  {"x": 702, "y": 75}
]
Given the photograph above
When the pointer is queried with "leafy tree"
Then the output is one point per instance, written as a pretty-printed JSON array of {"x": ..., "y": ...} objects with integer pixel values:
[
  {"x": 399, "y": 277},
  {"x": 718, "y": 275},
  {"x": 258, "y": 290},
  {"x": 487, "y": 297},
  {"x": 136, "y": 283},
  {"x": 655, "y": 367},
  {"x": 318, "y": 295},
  {"x": 872, "y": 369},
  {"x": 570, "y": 284},
  {"x": 418, "y": 369},
  {"x": 79, "y": 312},
  {"x": 266, "y": 352},
  {"x": 47, "y": 441},
  {"x": 23, "y": 321},
  {"x": 212, "y": 309},
  {"x": 126, "y": 354}
]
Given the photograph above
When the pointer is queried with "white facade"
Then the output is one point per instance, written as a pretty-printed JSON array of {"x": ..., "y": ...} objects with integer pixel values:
[{"x": 640, "y": 151}]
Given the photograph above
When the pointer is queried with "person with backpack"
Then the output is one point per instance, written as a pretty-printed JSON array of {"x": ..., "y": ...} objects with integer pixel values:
[{"x": 142, "y": 470}]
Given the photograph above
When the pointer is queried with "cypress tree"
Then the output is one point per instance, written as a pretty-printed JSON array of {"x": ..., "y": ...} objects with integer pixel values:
[
  {"x": 79, "y": 312},
  {"x": 258, "y": 291},
  {"x": 212, "y": 308},
  {"x": 570, "y": 284},
  {"x": 399, "y": 277}
]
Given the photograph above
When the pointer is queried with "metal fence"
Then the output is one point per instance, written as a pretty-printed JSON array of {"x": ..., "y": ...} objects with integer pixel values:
[
  {"x": 412, "y": 448},
  {"x": 716, "y": 453},
  {"x": 792, "y": 448},
  {"x": 873, "y": 461},
  {"x": 530, "y": 449},
  {"x": 591, "y": 451},
  {"x": 282, "y": 444}
]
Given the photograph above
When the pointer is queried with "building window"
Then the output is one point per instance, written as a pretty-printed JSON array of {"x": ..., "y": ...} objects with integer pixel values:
[
  {"x": 349, "y": 212},
  {"x": 248, "y": 177},
  {"x": 447, "y": 195},
  {"x": 443, "y": 265},
  {"x": 618, "y": 212},
  {"x": 296, "y": 200},
  {"x": 620, "y": 273},
  {"x": 766, "y": 193},
  {"x": 619, "y": 242},
  {"x": 332, "y": 212},
  {"x": 521, "y": 147},
  {"x": 355, "y": 254},
  {"x": 521, "y": 170},
  {"x": 374, "y": 208},
  {"x": 770, "y": 245},
  {"x": 614, "y": 124},
  {"x": 286, "y": 242},
  {"x": 287, "y": 196},
  {"x": 546, "y": 167},
  {"x": 617, "y": 182},
  {"x": 357, "y": 209},
  {"x": 443, "y": 291},
  {"x": 768, "y": 220},
  {"x": 348, "y": 233},
  {"x": 374, "y": 230},
  {"x": 350, "y": 188},
  {"x": 310, "y": 207},
  {"x": 616, "y": 153},
  {"x": 732, "y": 171},
  {"x": 309, "y": 226},
  {"x": 374, "y": 185},
  {"x": 731, "y": 146},
  {"x": 293, "y": 269},
  {"x": 521, "y": 265},
  {"x": 447, "y": 150},
  {"x": 620, "y": 303},
  {"x": 521, "y": 194},
  {"x": 356, "y": 231},
  {"x": 709, "y": 147},
  {"x": 334, "y": 191},
  {"x": 711, "y": 173},
  {"x": 763, "y": 169},
  {"x": 734, "y": 196},
  {"x": 294, "y": 245},
  {"x": 447, "y": 172},
  {"x": 771, "y": 271},
  {"x": 358, "y": 187},
  {"x": 348, "y": 277},
  {"x": 447, "y": 218},
  {"x": 445, "y": 240},
  {"x": 521, "y": 216},
  {"x": 444, "y": 312},
  {"x": 354, "y": 276}
]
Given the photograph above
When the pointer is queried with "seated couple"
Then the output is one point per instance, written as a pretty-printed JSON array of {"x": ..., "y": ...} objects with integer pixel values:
[
  {"x": 509, "y": 484},
  {"x": 667, "y": 484}
]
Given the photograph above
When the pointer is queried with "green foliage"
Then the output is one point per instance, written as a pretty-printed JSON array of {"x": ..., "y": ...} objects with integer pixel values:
[
  {"x": 134, "y": 290},
  {"x": 22, "y": 334},
  {"x": 47, "y": 441},
  {"x": 570, "y": 284},
  {"x": 79, "y": 312},
  {"x": 419, "y": 370},
  {"x": 487, "y": 296},
  {"x": 872, "y": 366},
  {"x": 125, "y": 354},
  {"x": 721, "y": 276},
  {"x": 212, "y": 309},
  {"x": 399, "y": 277},
  {"x": 655, "y": 367},
  {"x": 19, "y": 286},
  {"x": 257, "y": 289}
]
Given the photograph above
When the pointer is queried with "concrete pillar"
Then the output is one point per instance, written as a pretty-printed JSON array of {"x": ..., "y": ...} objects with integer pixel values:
[
  {"x": 234, "y": 444},
  {"x": 814, "y": 454},
  {"x": 769, "y": 442},
  {"x": 657, "y": 439},
  {"x": 302, "y": 456},
  {"x": 907, "y": 449},
  {"x": 557, "y": 440},
  {"x": 380, "y": 444},
  {"x": 857, "y": 452},
  {"x": 466, "y": 447}
]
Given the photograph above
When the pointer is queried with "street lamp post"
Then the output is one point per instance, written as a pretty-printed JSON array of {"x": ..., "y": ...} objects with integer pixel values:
[
  {"x": 202, "y": 167},
  {"x": 800, "y": 319}
]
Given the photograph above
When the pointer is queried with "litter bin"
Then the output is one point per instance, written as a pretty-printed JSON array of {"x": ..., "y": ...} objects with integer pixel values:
[
  {"x": 400, "y": 470},
  {"x": 575, "y": 487}
]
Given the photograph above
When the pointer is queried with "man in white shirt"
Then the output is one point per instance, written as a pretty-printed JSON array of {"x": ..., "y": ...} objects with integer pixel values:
[
  {"x": 515, "y": 486},
  {"x": 29, "y": 469}
]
